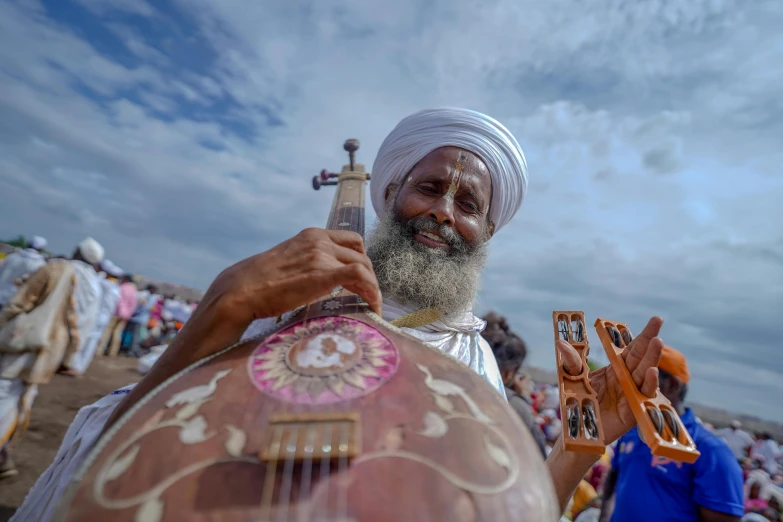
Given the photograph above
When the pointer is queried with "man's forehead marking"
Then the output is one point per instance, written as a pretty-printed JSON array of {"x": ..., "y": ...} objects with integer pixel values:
[
  {"x": 459, "y": 166},
  {"x": 453, "y": 186},
  {"x": 460, "y": 163}
]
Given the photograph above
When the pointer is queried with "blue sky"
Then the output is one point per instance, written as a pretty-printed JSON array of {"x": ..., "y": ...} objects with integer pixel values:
[{"x": 182, "y": 134}]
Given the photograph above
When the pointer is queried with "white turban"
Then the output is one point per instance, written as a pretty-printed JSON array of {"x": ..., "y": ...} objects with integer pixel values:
[
  {"x": 110, "y": 268},
  {"x": 91, "y": 251},
  {"x": 38, "y": 243},
  {"x": 422, "y": 132}
]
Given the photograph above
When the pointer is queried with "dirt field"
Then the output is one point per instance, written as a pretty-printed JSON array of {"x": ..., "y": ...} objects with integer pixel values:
[{"x": 54, "y": 409}]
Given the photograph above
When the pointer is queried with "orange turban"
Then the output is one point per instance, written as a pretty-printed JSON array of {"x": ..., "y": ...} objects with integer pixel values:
[{"x": 674, "y": 363}]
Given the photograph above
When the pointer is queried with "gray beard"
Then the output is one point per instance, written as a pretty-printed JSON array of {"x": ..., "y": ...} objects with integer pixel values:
[{"x": 413, "y": 274}]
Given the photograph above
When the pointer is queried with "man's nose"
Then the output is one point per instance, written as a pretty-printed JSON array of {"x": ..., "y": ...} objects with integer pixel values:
[{"x": 442, "y": 211}]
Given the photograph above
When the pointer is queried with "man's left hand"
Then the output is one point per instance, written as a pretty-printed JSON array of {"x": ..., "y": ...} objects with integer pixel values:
[{"x": 641, "y": 358}]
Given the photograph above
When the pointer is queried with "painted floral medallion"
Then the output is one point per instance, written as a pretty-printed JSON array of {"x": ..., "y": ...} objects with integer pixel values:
[{"x": 323, "y": 360}]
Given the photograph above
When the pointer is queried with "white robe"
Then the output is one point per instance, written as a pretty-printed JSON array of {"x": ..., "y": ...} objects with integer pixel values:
[
  {"x": 86, "y": 299},
  {"x": 16, "y": 401},
  {"x": 110, "y": 295},
  {"x": 17, "y": 266},
  {"x": 460, "y": 339},
  {"x": 769, "y": 451}
]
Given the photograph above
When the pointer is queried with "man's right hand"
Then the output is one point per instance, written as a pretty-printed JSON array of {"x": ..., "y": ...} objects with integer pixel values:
[{"x": 295, "y": 272}]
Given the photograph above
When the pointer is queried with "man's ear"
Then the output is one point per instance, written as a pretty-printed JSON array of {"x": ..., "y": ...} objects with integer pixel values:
[
  {"x": 391, "y": 189},
  {"x": 490, "y": 227}
]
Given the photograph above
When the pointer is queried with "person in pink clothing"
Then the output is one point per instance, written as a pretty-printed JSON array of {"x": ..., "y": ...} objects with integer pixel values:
[
  {"x": 125, "y": 308},
  {"x": 755, "y": 503}
]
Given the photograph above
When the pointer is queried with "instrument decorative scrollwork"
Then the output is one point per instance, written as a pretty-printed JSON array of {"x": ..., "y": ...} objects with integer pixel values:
[
  {"x": 436, "y": 426},
  {"x": 192, "y": 430}
]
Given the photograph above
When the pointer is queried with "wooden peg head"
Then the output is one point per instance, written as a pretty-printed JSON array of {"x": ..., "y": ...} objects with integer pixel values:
[{"x": 351, "y": 145}]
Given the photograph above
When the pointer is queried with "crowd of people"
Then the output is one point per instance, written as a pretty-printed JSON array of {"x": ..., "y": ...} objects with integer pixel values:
[
  {"x": 741, "y": 475},
  {"x": 58, "y": 313}
]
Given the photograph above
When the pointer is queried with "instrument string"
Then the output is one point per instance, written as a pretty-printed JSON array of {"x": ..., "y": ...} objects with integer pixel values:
[
  {"x": 343, "y": 214},
  {"x": 342, "y": 463},
  {"x": 284, "y": 499},
  {"x": 352, "y": 215},
  {"x": 305, "y": 489},
  {"x": 326, "y": 450},
  {"x": 269, "y": 480},
  {"x": 299, "y": 407},
  {"x": 307, "y": 471}
]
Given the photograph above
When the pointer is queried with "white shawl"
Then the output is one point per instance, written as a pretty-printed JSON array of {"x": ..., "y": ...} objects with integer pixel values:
[
  {"x": 459, "y": 337},
  {"x": 86, "y": 300}
]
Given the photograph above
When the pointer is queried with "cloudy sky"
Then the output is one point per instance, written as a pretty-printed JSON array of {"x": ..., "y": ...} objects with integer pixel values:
[{"x": 183, "y": 135}]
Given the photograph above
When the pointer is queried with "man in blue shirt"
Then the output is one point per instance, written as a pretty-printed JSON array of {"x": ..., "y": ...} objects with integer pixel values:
[{"x": 645, "y": 488}]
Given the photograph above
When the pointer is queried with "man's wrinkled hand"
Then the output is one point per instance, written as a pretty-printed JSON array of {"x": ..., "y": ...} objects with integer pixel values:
[
  {"x": 295, "y": 272},
  {"x": 641, "y": 358}
]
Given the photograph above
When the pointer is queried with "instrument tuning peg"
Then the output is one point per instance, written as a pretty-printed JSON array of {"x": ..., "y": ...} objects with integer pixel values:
[
  {"x": 351, "y": 146},
  {"x": 319, "y": 181}
]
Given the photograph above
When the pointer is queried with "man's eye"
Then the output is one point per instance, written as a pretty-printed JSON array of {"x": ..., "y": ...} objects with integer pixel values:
[
  {"x": 471, "y": 207},
  {"x": 428, "y": 189}
]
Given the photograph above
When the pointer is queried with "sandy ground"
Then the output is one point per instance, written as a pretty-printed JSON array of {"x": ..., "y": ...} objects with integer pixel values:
[{"x": 54, "y": 409}]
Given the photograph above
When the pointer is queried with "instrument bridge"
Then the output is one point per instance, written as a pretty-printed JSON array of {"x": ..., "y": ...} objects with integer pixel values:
[{"x": 312, "y": 436}]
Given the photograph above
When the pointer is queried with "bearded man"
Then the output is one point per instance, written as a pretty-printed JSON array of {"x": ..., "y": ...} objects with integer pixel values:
[{"x": 443, "y": 183}]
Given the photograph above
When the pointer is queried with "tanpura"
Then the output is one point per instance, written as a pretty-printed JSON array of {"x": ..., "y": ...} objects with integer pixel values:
[{"x": 333, "y": 415}]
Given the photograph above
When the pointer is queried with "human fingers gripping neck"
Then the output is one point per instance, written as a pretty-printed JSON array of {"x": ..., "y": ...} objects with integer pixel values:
[{"x": 299, "y": 271}]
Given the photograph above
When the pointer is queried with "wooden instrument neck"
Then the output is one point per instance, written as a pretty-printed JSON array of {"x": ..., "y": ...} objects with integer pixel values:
[{"x": 348, "y": 206}]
